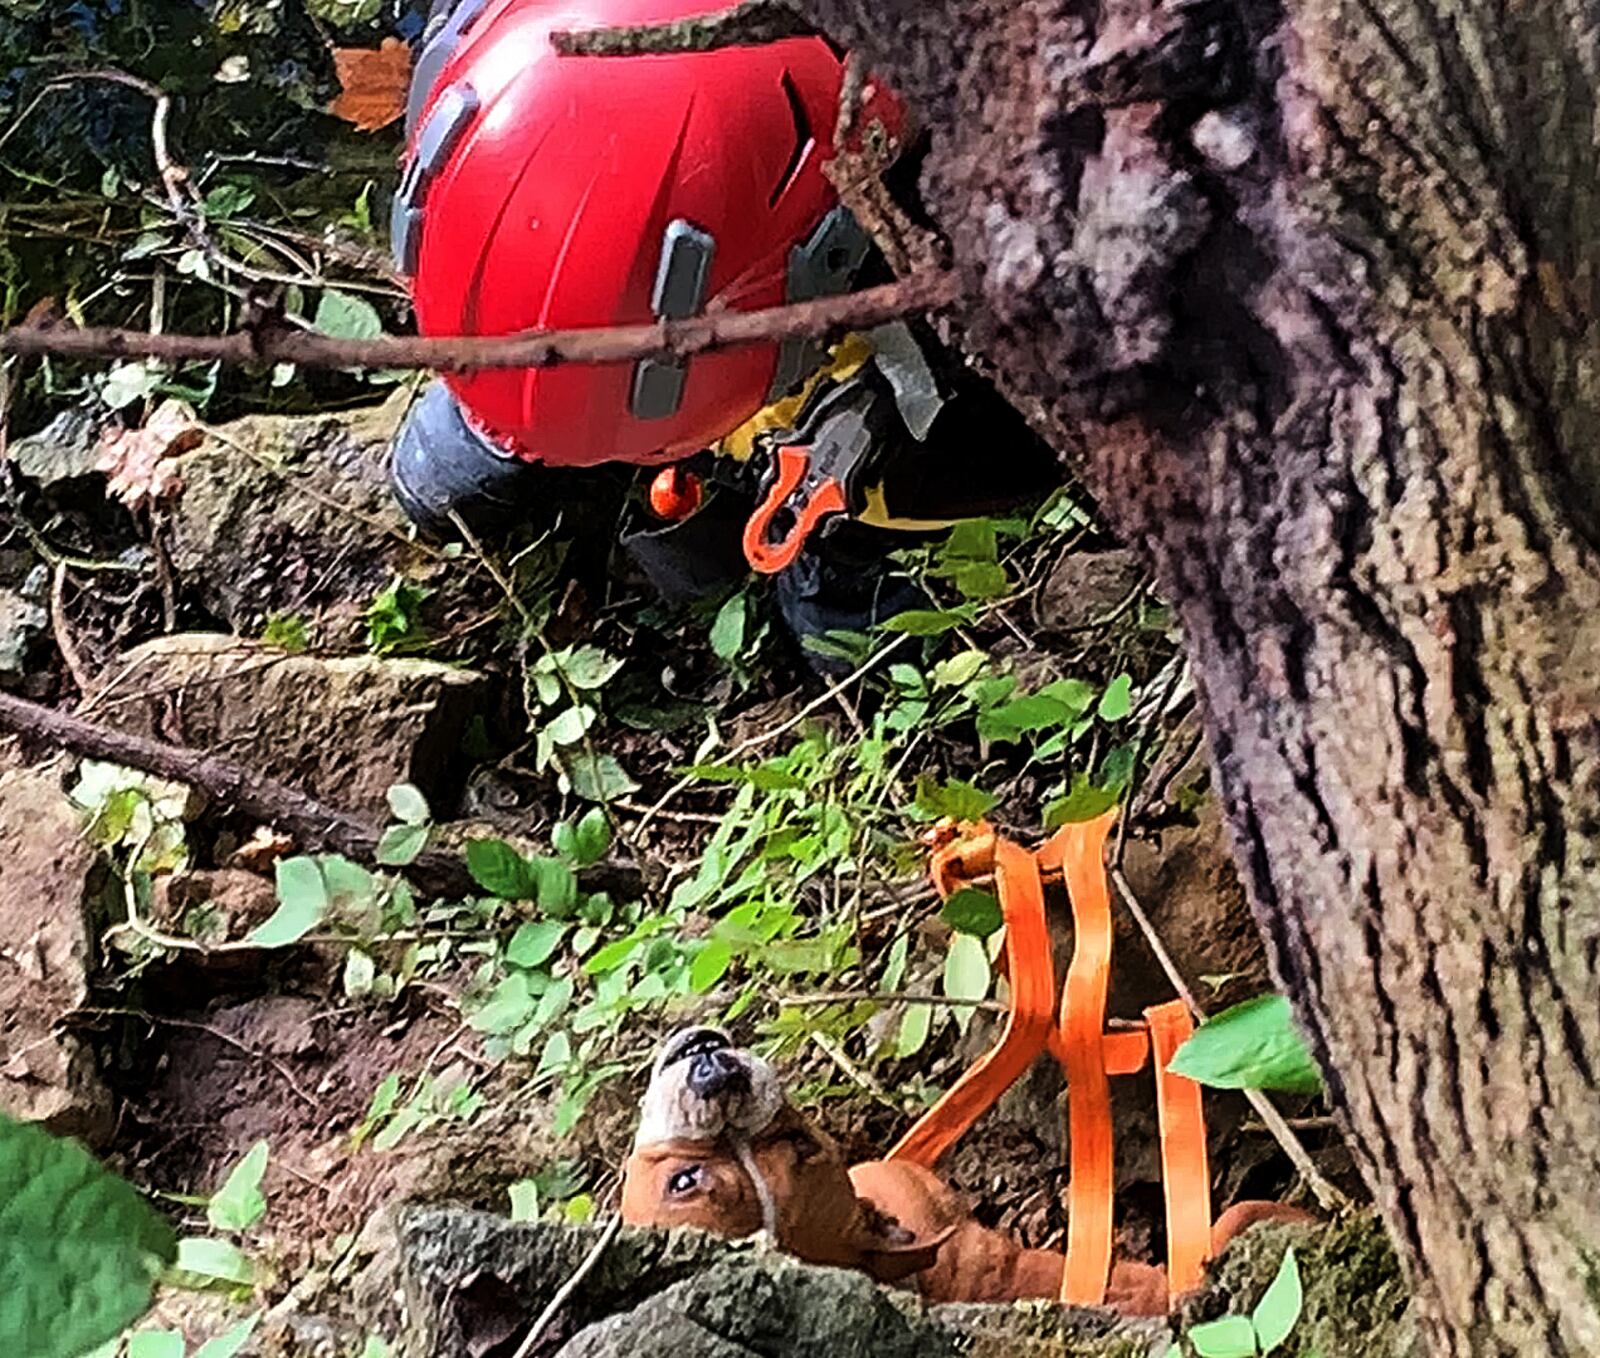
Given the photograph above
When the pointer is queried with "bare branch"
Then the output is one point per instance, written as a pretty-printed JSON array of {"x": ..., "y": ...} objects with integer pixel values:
[
  {"x": 749, "y": 24},
  {"x": 314, "y": 824},
  {"x": 273, "y": 342}
]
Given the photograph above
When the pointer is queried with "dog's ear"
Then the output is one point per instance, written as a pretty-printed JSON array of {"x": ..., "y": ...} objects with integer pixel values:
[{"x": 889, "y": 1252}]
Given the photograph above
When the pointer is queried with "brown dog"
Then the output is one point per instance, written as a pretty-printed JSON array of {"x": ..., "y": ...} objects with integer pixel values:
[{"x": 719, "y": 1148}]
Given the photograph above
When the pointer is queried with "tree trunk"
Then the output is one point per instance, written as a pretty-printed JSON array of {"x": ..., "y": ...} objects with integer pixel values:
[{"x": 1311, "y": 290}]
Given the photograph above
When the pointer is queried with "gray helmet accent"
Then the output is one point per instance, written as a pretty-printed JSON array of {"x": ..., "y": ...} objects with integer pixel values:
[
  {"x": 682, "y": 275},
  {"x": 446, "y": 26},
  {"x": 824, "y": 266},
  {"x": 452, "y": 111}
]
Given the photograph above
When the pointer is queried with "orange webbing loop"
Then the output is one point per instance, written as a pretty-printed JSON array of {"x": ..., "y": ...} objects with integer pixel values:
[
  {"x": 1030, "y": 975},
  {"x": 1083, "y": 1020},
  {"x": 1185, "y": 1170}
]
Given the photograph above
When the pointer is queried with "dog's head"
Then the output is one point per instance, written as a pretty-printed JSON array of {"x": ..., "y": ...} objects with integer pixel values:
[{"x": 707, "y": 1099}]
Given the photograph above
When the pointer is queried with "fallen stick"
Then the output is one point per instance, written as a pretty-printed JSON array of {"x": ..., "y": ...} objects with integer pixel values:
[{"x": 315, "y": 825}]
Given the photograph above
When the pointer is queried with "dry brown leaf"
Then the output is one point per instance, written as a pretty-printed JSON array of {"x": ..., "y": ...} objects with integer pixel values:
[
  {"x": 140, "y": 464},
  {"x": 374, "y": 84},
  {"x": 261, "y": 851}
]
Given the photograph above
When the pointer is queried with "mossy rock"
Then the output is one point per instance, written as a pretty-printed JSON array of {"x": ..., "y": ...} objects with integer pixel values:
[{"x": 1356, "y": 1302}]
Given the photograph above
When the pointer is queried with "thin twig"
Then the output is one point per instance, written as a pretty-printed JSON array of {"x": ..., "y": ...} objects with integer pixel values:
[
  {"x": 891, "y": 997},
  {"x": 1329, "y": 1196},
  {"x": 565, "y": 1292},
  {"x": 755, "y": 742},
  {"x": 63, "y": 635},
  {"x": 862, "y": 1078},
  {"x": 226, "y": 1039},
  {"x": 270, "y": 340}
]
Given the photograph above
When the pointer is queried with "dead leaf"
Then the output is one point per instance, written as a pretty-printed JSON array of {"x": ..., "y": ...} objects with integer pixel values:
[
  {"x": 261, "y": 851},
  {"x": 375, "y": 84},
  {"x": 140, "y": 464}
]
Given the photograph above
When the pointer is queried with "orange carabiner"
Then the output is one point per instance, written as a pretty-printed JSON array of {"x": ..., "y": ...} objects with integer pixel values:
[{"x": 828, "y": 498}]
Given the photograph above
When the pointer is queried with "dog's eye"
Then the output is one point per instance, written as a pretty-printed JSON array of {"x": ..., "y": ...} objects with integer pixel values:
[{"x": 684, "y": 1180}]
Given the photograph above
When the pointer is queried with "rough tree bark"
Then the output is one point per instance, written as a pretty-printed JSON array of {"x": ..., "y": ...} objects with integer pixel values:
[{"x": 1311, "y": 287}]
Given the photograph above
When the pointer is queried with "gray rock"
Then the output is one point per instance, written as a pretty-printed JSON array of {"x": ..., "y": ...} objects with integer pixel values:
[
  {"x": 46, "y": 877},
  {"x": 63, "y": 450},
  {"x": 768, "y": 1306},
  {"x": 289, "y": 514},
  {"x": 343, "y": 730},
  {"x": 473, "y": 1282},
  {"x": 1084, "y": 588},
  {"x": 21, "y": 621}
]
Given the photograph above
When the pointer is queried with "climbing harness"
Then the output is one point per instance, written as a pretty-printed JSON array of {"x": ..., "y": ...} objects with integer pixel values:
[{"x": 1079, "y": 1040}]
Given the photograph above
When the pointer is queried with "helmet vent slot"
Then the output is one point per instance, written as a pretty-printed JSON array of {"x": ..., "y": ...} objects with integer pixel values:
[{"x": 804, "y": 138}]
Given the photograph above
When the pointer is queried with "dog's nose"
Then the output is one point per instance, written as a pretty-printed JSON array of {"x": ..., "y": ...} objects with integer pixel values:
[{"x": 717, "y": 1072}]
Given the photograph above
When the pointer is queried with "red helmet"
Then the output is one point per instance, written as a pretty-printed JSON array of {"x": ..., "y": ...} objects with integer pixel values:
[{"x": 545, "y": 192}]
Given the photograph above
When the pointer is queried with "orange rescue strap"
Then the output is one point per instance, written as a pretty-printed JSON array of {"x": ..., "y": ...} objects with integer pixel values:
[{"x": 1079, "y": 1040}]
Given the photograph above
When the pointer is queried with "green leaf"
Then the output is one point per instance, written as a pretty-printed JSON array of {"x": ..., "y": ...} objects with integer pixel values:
[
  {"x": 228, "y": 199},
  {"x": 759, "y": 776},
  {"x": 302, "y": 904},
  {"x": 570, "y": 725},
  {"x": 589, "y": 667},
  {"x": 971, "y": 540},
  {"x": 587, "y": 841},
  {"x": 156, "y": 1344},
  {"x": 509, "y": 1006},
  {"x": 599, "y": 778},
  {"x": 959, "y": 669},
  {"x": 501, "y": 870},
  {"x": 401, "y": 845},
  {"x": 534, "y": 943},
  {"x": 899, "y": 954},
  {"x": 1117, "y": 701},
  {"x": 524, "y": 1195},
  {"x": 553, "y": 1003},
  {"x": 408, "y": 804},
  {"x": 710, "y": 965},
  {"x": 1253, "y": 1045},
  {"x": 127, "y": 383},
  {"x": 360, "y": 974},
  {"x": 612, "y": 956},
  {"x": 80, "y": 1250},
  {"x": 229, "y": 1342},
  {"x": 1084, "y": 802},
  {"x": 966, "y": 969},
  {"x": 727, "y": 631},
  {"x": 239, "y": 1203},
  {"x": 1032, "y": 712},
  {"x": 956, "y": 799},
  {"x": 1175, "y": 1351},
  {"x": 981, "y": 580},
  {"x": 1230, "y": 1337},
  {"x": 558, "y": 887},
  {"x": 971, "y": 911},
  {"x": 557, "y": 1054},
  {"x": 926, "y": 622},
  {"x": 288, "y": 632},
  {"x": 914, "y": 1026},
  {"x": 216, "y": 1260},
  {"x": 1279, "y": 1308},
  {"x": 346, "y": 317}
]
